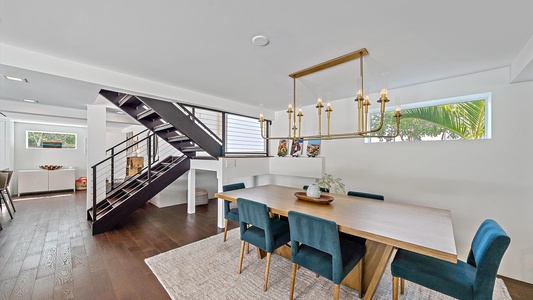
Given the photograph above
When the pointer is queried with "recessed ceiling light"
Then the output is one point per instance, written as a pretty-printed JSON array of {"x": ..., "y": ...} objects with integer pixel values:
[
  {"x": 260, "y": 40},
  {"x": 15, "y": 78},
  {"x": 30, "y": 101}
]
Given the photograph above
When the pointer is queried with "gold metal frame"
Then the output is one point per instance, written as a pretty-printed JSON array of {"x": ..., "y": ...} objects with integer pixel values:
[{"x": 362, "y": 107}]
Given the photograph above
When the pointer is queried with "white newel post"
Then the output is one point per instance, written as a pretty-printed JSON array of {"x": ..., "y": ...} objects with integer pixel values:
[{"x": 191, "y": 195}]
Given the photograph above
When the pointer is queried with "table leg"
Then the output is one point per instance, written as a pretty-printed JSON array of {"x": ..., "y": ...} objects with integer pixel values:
[{"x": 374, "y": 264}]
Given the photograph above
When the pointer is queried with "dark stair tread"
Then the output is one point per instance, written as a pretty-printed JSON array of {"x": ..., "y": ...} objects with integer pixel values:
[
  {"x": 114, "y": 201},
  {"x": 131, "y": 190},
  {"x": 162, "y": 127},
  {"x": 177, "y": 138},
  {"x": 124, "y": 99},
  {"x": 145, "y": 113},
  {"x": 101, "y": 210},
  {"x": 191, "y": 149}
]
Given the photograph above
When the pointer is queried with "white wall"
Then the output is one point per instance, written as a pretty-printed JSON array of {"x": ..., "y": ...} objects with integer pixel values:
[
  {"x": 31, "y": 159},
  {"x": 176, "y": 192},
  {"x": 6, "y": 143},
  {"x": 474, "y": 179}
]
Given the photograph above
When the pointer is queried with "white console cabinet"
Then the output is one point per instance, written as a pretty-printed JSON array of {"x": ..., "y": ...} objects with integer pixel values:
[{"x": 33, "y": 181}]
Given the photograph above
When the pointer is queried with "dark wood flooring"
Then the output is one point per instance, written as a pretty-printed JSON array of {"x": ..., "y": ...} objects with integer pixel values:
[{"x": 48, "y": 252}]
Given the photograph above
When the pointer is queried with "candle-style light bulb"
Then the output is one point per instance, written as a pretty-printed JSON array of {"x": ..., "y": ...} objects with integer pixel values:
[
  {"x": 289, "y": 109},
  {"x": 384, "y": 93},
  {"x": 261, "y": 117},
  {"x": 398, "y": 109},
  {"x": 359, "y": 93}
]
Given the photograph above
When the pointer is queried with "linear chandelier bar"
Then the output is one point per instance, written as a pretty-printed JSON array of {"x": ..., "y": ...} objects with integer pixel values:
[{"x": 330, "y": 63}]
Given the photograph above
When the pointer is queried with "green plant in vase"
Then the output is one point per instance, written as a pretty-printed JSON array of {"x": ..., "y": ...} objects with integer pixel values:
[{"x": 334, "y": 185}]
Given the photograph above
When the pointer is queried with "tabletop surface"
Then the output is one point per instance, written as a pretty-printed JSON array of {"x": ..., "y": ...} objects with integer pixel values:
[{"x": 419, "y": 229}]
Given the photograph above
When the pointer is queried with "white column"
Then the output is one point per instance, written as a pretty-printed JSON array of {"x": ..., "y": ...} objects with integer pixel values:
[
  {"x": 95, "y": 145},
  {"x": 191, "y": 195},
  {"x": 220, "y": 211}
]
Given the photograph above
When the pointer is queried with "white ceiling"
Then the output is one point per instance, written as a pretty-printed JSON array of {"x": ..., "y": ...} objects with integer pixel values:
[{"x": 205, "y": 45}]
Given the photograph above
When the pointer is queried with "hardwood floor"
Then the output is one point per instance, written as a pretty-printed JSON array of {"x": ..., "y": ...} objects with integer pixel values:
[{"x": 47, "y": 251}]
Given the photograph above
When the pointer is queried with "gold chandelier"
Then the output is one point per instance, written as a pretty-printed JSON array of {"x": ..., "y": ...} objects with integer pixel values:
[{"x": 362, "y": 107}]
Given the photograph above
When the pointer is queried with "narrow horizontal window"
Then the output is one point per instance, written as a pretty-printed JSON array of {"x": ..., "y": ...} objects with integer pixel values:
[
  {"x": 43, "y": 139},
  {"x": 466, "y": 117}
]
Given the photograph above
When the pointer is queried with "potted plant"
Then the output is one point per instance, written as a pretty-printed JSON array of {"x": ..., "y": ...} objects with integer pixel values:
[{"x": 334, "y": 185}]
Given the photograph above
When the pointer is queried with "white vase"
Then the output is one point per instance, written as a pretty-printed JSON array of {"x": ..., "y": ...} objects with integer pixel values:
[{"x": 313, "y": 191}]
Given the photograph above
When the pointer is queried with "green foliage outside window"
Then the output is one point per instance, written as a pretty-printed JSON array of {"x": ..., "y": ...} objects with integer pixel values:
[
  {"x": 40, "y": 139},
  {"x": 464, "y": 120}
]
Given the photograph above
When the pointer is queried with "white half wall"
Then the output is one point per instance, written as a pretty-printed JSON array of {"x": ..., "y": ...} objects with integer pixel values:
[{"x": 474, "y": 179}]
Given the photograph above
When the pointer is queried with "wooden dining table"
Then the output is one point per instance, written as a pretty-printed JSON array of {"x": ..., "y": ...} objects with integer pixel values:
[{"x": 385, "y": 225}]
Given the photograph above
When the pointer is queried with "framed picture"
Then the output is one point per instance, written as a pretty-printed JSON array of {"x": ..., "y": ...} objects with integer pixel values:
[
  {"x": 313, "y": 148},
  {"x": 283, "y": 147},
  {"x": 297, "y": 147}
]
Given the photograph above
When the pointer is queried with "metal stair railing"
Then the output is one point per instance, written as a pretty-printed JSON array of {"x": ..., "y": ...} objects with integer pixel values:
[
  {"x": 199, "y": 122},
  {"x": 111, "y": 174}
]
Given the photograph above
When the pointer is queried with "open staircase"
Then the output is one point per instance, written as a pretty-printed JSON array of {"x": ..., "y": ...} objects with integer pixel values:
[{"x": 174, "y": 137}]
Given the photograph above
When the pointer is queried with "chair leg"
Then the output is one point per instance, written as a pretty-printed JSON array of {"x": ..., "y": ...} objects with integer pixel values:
[
  {"x": 394, "y": 288},
  {"x": 293, "y": 279},
  {"x": 247, "y": 248},
  {"x": 267, "y": 267},
  {"x": 336, "y": 291},
  {"x": 10, "y": 200},
  {"x": 7, "y": 206},
  {"x": 240, "y": 258},
  {"x": 402, "y": 286},
  {"x": 225, "y": 228}
]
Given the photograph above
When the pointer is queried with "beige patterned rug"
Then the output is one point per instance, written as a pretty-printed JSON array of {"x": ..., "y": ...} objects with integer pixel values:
[{"x": 207, "y": 269}]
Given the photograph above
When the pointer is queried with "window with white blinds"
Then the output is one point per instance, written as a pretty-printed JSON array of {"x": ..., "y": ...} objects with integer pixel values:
[{"x": 243, "y": 135}]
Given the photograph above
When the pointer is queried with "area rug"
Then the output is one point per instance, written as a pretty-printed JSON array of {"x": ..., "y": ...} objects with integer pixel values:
[{"x": 207, "y": 269}]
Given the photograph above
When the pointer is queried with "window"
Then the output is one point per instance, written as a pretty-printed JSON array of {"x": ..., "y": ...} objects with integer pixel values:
[
  {"x": 466, "y": 117},
  {"x": 43, "y": 139},
  {"x": 243, "y": 135}
]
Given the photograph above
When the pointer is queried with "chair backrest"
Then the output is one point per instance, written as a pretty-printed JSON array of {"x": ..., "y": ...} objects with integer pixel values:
[
  {"x": 233, "y": 186},
  {"x": 366, "y": 195},
  {"x": 9, "y": 175},
  {"x": 318, "y": 233},
  {"x": 3, "y": 180},
  {"x": 322, "y": 189},
  {"x": 486, "y": 252},
  {"x": 255, "y": 214}
]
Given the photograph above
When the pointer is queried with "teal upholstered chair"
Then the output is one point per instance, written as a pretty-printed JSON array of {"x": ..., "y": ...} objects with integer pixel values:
[
  {"x": 258, "y": 229},
  {"x": 473, "y": 279},
  {"x": 231, "y": 214},
  {"x": 322, "y": 189},
  {"x": 315, "y": 245},
  {"x": 366, "y": 195}
]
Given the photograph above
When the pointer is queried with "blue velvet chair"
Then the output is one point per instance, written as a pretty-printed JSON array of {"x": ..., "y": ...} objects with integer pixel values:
[
  {"x": 322, "y": 189},
  {"x": 366, "y": 195},
  {"x": 315, "y": 245},
  {"x": 231, "y": 214},
  {"x": 473, "y": 279},
  {"x": 258, "y": 229}
]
